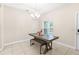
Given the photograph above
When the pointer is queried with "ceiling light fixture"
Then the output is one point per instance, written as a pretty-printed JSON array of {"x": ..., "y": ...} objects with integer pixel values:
[{"x": 33, "y": 14}]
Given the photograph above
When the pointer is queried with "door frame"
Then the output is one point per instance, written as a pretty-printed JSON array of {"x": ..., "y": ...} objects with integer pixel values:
[
  {"x": 76, "y": 22},
  {"x": 2, "y": 27}
]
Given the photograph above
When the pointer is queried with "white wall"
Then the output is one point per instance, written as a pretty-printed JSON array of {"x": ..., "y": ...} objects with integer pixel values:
[
  {"x": 0, "y": 26},
  {"x": 64, "y": 23},
  {"x": 18, "y": 22},
  {"x": 17, "y": 25}
]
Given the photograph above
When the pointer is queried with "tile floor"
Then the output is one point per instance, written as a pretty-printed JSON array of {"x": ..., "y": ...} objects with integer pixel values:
[{"x": 24, "y": 48}]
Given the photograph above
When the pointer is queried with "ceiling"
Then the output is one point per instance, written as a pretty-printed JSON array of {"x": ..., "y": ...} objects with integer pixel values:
[{"x": 38, "y": 7}]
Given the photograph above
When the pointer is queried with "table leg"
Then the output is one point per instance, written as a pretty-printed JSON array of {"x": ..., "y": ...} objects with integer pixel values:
[
  {"x": 31, "y": 42},
  {"x": 50, "y": 45},
  {"x": 45, "y": 49},
  {"x": 40, "y": 49}
]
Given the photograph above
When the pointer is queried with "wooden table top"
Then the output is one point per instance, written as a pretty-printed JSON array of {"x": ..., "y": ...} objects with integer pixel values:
[{"x": 44, "y": 37}]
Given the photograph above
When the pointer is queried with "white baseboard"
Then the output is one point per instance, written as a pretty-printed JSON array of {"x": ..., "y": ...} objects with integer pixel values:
[
  {"x": 1, "y": 48},
  {"x": 54, "y": 42},
  {"x": 7, "y": 44},
  {"x": 66, "y": 45},
  {"x": 19, "y": 41}
]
